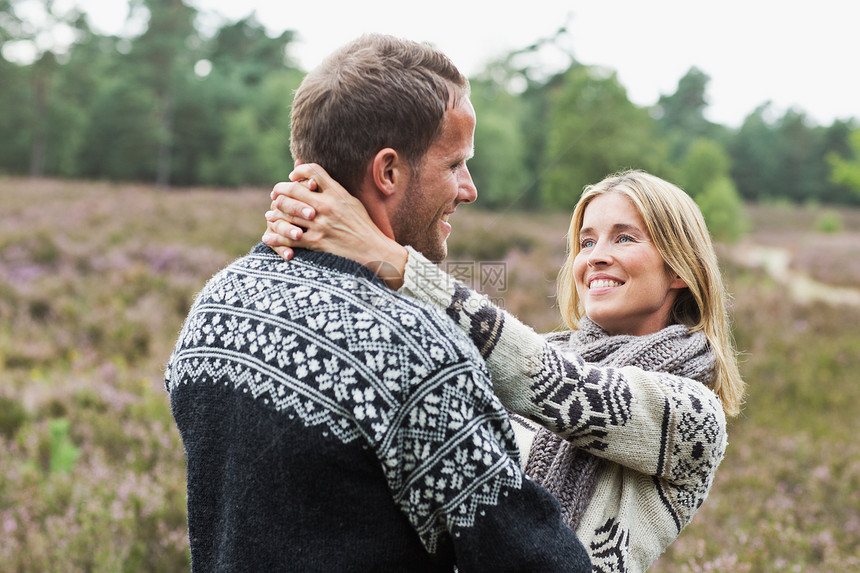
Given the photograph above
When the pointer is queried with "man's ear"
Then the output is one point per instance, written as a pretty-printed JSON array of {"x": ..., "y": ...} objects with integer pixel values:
[{"x": 390, "y": 171}]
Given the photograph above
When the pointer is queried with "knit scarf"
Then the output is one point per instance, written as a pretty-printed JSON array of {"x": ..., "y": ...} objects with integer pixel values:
[{"x": 570, "y": 473}]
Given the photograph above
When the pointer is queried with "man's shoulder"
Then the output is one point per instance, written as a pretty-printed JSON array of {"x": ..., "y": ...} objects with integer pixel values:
[
  {"x": 341, "y": 296},
  {"x": 413, "y": 322},
  {"x": 423, "y": 320}
]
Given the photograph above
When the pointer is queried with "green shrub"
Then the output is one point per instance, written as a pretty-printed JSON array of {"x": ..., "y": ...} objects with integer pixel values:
[
  {"x": 64, "y": 453},
  {"x": 723, "y": 210},
  {"x": 829, "y": 222},
  {"x": 12, "y": 416}
]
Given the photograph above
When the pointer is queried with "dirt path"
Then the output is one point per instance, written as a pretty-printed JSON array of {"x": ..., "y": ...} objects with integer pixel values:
[{"x": 776, "y": 262}]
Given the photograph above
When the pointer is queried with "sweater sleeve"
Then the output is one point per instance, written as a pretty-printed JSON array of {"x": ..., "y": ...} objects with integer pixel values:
[
  {"x": 657, "y": 424},
  {"x": 453, "y": 469}
]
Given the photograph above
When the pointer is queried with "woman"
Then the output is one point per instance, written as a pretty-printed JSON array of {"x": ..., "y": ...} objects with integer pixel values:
[{"x": 631, "y": 401}]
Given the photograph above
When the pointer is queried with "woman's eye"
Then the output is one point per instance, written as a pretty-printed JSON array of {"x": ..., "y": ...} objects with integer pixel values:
[
  {"x": 586, "y": 243},
  {"x": 625, "y": 239}
]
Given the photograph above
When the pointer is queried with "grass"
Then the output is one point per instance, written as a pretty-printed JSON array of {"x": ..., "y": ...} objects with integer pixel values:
[{"x": 95, "y": 280}]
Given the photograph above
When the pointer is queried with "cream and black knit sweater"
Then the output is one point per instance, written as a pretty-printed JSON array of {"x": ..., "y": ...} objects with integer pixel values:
[{"x": 661, "y": 436}]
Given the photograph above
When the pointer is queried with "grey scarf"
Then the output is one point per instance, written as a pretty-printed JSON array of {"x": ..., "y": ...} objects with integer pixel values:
[{"x": 570, "y": 473}]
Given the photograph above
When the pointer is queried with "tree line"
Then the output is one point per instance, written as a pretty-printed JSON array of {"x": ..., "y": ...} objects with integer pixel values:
[{"x": 179, "y": 107}]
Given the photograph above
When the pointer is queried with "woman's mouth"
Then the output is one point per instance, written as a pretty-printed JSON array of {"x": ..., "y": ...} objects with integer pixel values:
[{"x": 603, "y": 283}]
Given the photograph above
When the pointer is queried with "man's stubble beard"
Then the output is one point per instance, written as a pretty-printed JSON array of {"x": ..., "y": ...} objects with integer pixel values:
[{"x": 410, "y": 230}]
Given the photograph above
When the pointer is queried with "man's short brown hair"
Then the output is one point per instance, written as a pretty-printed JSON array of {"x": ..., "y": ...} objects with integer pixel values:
[{"x": 375, "y": 92}]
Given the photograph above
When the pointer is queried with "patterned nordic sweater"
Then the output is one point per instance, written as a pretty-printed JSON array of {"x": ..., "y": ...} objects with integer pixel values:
[
  {"x": 661, "y": 436},
  {"x": 333, "y": 425}
]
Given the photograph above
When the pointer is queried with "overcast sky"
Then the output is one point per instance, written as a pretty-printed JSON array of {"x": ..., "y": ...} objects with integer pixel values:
[{"x": 795, "y": 54}]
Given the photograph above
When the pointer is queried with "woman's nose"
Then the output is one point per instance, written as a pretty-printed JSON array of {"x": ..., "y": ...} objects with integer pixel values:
[{"x": 599, "y": 254}]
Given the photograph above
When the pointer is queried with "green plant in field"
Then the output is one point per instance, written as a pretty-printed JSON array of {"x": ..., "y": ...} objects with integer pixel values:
[
  {"x": 12, "y": 416},
  {"x": 64, "y": 453},
  {"x": 846, "y": 170},
  {"x": 723, "y": 210},
  {"x": 705, "y": 175},
  {"x": 829, "y": 222}
]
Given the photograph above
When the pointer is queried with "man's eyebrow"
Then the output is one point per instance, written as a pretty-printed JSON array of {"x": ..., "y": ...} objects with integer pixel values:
[{"x": 466, "y": 156}]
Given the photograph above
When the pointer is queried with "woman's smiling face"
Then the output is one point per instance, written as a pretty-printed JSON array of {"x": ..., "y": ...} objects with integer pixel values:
[{"x": 621, "y": 280}]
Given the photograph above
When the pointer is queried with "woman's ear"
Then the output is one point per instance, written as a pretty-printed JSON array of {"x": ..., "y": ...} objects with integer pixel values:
[
  {"x": 677, "y": 282},
  {"x": 390, "y": 171}
]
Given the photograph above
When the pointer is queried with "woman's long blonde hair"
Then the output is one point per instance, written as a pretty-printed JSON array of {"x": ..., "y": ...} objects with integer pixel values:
[{"x": 678, "y": 231}]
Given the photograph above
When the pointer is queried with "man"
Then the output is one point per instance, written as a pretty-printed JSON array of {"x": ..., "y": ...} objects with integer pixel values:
[{"x": 329, "y": 423}]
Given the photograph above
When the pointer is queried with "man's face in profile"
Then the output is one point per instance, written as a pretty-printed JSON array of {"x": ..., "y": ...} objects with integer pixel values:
[{"x": 441, "y": 183}]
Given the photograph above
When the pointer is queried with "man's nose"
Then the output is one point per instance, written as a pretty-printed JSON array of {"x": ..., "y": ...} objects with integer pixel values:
[{"x": 467, "y": 192}]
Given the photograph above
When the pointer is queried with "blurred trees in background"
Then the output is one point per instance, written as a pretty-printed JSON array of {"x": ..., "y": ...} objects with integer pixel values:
[
  {"x": 178, "y": 105},
  {"x": 170, "y": 106},
  {"x": 847, "y": 171}
]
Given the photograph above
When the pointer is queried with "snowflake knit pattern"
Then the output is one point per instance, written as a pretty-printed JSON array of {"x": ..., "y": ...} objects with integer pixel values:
[{"x": 336, "y": 358}]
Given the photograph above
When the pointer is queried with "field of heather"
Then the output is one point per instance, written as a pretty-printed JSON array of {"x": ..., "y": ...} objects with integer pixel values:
[{"x": 95, "y": 280}]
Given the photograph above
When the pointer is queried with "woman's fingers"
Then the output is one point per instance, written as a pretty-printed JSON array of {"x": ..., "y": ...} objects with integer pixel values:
[
  {"x": 316, "y": 188},
  {"x": 294, "y": 198},
  {"x": 315, "y": 212},
  {"x": 285, "y": 252},
  {"x": 287, "y": 218},
  {"x": 317, "y": 177},
  {"x": 275, "y": 237},
  {"x": 287, "y": 229},
  {"x": 289, "y": 209},
  {"x": 295, "y": 202}
]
